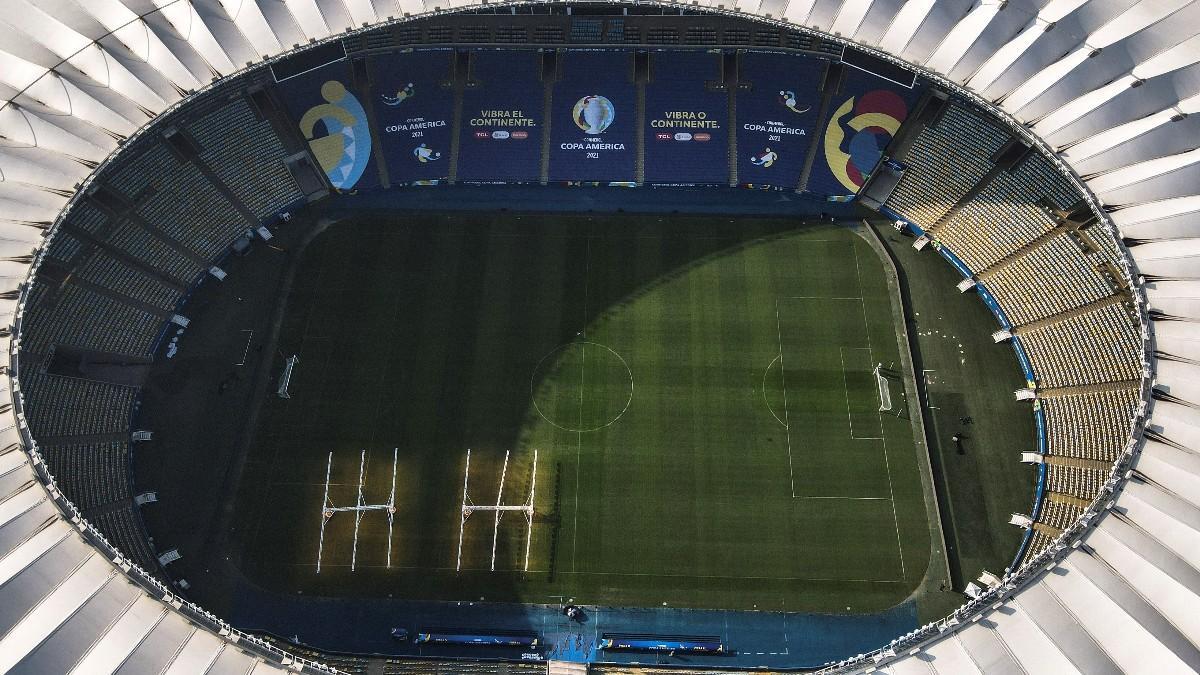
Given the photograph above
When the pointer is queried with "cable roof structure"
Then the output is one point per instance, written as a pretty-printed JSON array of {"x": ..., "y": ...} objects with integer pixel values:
[{"x": 1109, "y": 88}]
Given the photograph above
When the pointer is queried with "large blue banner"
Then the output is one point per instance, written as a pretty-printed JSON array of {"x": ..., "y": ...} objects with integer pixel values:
[
  {"x": 776, "y": 115},
  {"x": 593, "y": 131},
  {"x": 862, "y": 120},
  {"x": 502, "y": 118},
  {"x": 414, "y": 109},
  {"x": 686, "y": 120},
  {"x": 333, "y": 122}
]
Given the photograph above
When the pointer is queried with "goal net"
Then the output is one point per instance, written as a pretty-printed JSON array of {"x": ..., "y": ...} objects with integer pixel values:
[{"x": 885, "y": 393}]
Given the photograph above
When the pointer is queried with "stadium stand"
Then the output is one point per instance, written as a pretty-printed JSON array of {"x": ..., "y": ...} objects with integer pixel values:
[
  {"x": 79, "y": 317},
  {"x": 1095, "y": 346},
  {"x": 945, "y": 162},
  {"x": 154, "y": 253},
  {"x": 64, "y": 406},
  {"x": 93, "y": 474},
  {"x": 442, "y": 667},
  {"x": 184, "y": 205},
  {"x": 1058, "y": 514},
  {"x": 103, "y": 270},
  {"x": 1091, "y": 425},
  {"x": 122, "y": 526},
  {"x": 1077, "y": 481},
  {"x": 247, "y": 156},
  {"x": 1050, "y": 279},
  {"x": 1073, "y": 342}
]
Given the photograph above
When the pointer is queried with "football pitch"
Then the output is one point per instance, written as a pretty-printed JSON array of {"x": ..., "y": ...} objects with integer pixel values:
[{"x": 699, "y": 393}]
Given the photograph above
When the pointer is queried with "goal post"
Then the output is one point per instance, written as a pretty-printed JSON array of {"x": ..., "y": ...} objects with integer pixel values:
[
  {"x": 885, "y": 392},
  {"x": 498, "y": 509},
  {"x": 360, "y": 508},
  {"x": 286, "y": 378}
]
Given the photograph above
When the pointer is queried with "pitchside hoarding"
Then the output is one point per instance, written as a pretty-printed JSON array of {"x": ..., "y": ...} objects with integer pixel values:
[
  {"x": 333, "y": 122},
  {"x": 686, "y": 131},
  {"x": 863, "y": 117},
  {"x": 593, "y": 129},
  {"x": 777, "y": 109},
  {"x": 501, "y": 138},
  {"x": 414, "y": 110}
]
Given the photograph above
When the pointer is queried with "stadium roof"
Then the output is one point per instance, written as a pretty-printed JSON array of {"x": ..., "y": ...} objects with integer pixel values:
[{"x": 1111, "y": 85}]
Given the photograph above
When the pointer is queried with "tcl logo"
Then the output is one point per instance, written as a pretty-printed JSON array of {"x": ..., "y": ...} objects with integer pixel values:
[
  {"x": 482, "y": 134},
  {"x": 662, "y": 137}
]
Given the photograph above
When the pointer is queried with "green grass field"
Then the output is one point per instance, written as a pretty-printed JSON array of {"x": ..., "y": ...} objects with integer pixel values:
[{"x": 699, "y": 393}]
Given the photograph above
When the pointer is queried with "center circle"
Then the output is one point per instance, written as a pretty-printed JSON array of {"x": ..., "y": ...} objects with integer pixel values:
[{"x": 581, "y": 386}]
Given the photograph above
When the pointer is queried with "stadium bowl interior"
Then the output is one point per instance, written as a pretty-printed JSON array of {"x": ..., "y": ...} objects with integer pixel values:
[{"x": 1057, "y": 138}]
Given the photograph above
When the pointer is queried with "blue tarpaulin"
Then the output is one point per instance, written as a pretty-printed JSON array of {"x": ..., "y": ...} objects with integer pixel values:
[
  {"x": 476, "y": 638},
  {"x": 706, "y": 644}
]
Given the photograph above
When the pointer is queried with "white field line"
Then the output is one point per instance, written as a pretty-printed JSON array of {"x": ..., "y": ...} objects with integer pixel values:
[
  {"x": 786, "y": 422},
  {"x": 886, "y": 462},
  {"x": 846, "y": 389}
]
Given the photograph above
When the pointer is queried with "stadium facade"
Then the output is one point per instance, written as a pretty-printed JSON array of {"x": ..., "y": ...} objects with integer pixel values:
[{"x": 1093, "y": 100}]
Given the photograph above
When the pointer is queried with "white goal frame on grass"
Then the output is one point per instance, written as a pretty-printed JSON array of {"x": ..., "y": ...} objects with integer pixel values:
[
  {"x": 885, "y": 393},
  {"x": 359, "y": 509},
  {"x": 469, "y": 507}
]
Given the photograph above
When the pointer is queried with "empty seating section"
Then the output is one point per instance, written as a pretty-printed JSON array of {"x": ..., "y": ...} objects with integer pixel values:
[
  {"x": 104, "y": 270},
  {"x": 175, "y": 197},
  {"x": 1076, "y": 481},
  {"x": 90, "y": 474},
  {"x": 87, "y": 217},
  {"x": 1093, "y": 425},
  {"x": 993, "y": 225},
  {"x": 1007, "y": 213},
  {"x": 1096, "y": 346},
  {"x": 246, "y": 154},
  {"x": 65, "y": 406},
  {"x": 76, "y": 316},
  {"x": 1054, "y": 277},
  {"x": 64, "y": 247},
  {"x": 1058, "y": 515},
  {"x": 586, "y": 30},
  {"x": 1040, "y": 542},
  {"x": 461, "y": 667},
  {"x": 191, "y": 211},
  {"x": 121, "y": 528},
  {"x": 153, "y": 253},
  {"x": 944, "y": 162},
  {"x": 1035, "y": 176}
]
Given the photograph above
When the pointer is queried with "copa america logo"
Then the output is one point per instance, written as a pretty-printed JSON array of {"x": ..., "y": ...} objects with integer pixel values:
[{"x": 593, "y": 114}]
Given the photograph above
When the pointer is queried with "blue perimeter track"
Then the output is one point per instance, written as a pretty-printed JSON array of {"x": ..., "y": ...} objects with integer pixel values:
[{"x": 752, "y": 639}]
